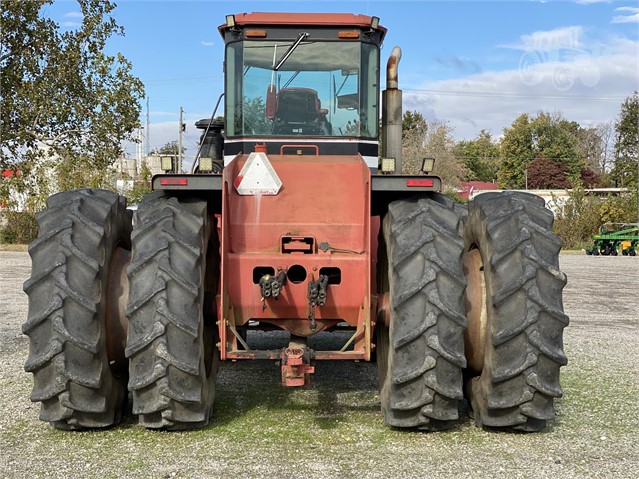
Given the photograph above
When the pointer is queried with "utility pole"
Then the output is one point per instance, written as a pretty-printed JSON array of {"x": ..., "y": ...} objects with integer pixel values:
[
  {"x": 138, "y": 156},
  {"x": 180, "y": 125},
  {"x": 148, "y": 129}
]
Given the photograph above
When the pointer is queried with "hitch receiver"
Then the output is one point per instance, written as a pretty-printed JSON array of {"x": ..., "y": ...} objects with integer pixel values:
[{"x": 295, "y": 371}]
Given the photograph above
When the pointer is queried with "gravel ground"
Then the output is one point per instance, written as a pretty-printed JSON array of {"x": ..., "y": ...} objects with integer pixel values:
[{"x": 333, "y": 429}]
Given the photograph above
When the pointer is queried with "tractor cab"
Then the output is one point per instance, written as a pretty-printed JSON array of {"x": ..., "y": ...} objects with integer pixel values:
[{"x": 302, "y": 79}]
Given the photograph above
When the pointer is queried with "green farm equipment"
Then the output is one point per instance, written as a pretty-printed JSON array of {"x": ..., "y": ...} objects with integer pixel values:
[{"x": 614, "y": 238}]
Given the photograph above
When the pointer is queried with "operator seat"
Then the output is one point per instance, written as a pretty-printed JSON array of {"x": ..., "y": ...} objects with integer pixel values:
[{"x": 298, "y": 112}]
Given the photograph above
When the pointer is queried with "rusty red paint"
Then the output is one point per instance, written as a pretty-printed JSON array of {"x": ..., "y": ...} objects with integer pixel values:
[
  {"x": 295, "y": 372},
  {"x": 333, "y": 208},
  {"x": 337, "y": 20}
]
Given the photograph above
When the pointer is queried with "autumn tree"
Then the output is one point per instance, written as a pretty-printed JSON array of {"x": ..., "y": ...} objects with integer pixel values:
[
  {"x": 63, "y": 98},
  {"x": 422, "y": 138},
  {"x": 414, "y": 130},
  {"x": 544, "y": 174}
]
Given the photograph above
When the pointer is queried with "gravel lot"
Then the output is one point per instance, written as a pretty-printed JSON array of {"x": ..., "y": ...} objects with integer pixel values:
[{"x": 334, "y": 429}]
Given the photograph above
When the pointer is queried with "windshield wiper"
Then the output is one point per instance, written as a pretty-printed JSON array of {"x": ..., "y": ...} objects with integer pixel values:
[{"x": 290, "y": 50}]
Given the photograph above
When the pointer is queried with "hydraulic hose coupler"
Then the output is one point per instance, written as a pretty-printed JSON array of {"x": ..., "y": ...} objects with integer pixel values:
[
  {"x": 266, "y": 285},
  {"x": 317, "y": 291},
  {"x": 272, "y": 285},
  {"x": 321, "y": 296},
  {"x": 277, "y": 283}
]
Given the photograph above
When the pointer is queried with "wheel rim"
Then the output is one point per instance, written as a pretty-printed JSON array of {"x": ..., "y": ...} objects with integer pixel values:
[
  {"x": 117, "y": 296},
  {"x": 476, "y": 309}
]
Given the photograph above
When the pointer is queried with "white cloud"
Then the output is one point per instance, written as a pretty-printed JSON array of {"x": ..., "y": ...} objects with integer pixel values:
[
  {"x": 73, "y": 15},
  {"x": 71, "y": 24},
  {"x": 207, "y": 44},
  {"x": 547, "y": 40},
  {"x": 632, "y": 17},
  {"x": 584, "y": 87},
  {"x": 589, "y": 2}
]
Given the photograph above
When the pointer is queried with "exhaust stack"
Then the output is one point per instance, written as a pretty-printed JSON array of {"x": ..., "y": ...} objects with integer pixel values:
[{"x": 392, "y": 112}]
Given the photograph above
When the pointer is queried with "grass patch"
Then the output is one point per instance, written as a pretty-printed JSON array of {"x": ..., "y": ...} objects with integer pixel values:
[{"x": 13, "y": 247}]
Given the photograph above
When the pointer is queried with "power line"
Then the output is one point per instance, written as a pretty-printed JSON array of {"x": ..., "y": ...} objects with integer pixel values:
[
  {"x": 172, "y": 81},
  {"x": 471, "y": 93}
]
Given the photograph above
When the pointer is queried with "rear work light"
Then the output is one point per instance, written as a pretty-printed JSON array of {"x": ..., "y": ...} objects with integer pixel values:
[
  {"x": 419, "y": 183},
  {"x": 174, "y": 181}
]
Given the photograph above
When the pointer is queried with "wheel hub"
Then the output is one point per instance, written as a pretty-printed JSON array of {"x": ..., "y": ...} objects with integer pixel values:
[
  {"x": 117, "y": 296},
  {"x": 476, "y": 311}
]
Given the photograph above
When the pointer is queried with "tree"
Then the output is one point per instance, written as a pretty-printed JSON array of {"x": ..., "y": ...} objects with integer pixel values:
[
  {"x": 515, "y": 151},
  {"x": 548, "y": 136},
  {"x": 413, "y": 123},
  {"x": 255, "y": 121},
  {"x": 480, "y": 157},
  {"x": 596, "y": 147},
  {"x": 141, "y": 185},
  {"x": 544, "y": 174},
  {"x": 606, "y": 134},
  {"x": 589, "y": 178},
  {"x": 414, "y": 129},
  {"x": 63, "y": 98},
  {"x": 624, "y": 172},
  {"x": 421, "y": 139},
  {"x": 170, "y": 148}
]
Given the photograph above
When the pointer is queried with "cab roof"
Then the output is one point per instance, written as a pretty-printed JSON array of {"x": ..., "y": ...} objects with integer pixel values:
[{"x": 299, "y": 19}]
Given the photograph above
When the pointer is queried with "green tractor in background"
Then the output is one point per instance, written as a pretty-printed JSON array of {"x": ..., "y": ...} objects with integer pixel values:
[{"x": 614, "y": 238}]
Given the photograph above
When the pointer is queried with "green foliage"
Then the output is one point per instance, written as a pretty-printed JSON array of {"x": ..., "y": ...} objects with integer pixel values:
[
  {"x": 579, "y": 220},
  {"x": 619, "y": 209},
  {"x": 547, "y": 136},
  {"x": 141, "y": 186},
  {"x": 170, "y": 148},
  {"x": 413, "y": 122},
  {"x": 21, "y": 227},
  {"x": 582, "y": 216},
  {"x": 140, "y": 189},
  {"x": 78, "y": 171},
  {"x": 480, "y": 157},
  {"x": 515, "y": 151},
  {"x": 626, "y": 166},
  {"x": 255, "y": 121},
  {"x": 63, "y": 98}
]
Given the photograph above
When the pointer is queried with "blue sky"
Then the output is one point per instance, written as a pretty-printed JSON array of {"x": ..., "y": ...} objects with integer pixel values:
[{"x": 474, "y": 65}]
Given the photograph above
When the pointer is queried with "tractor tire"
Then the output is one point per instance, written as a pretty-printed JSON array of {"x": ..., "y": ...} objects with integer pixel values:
[
  {"x": 79, "y": 232},
  {"x": 421, "y": 353},
  {"x": 171, "y": 342},
  {"x": 513, "y": 374}
]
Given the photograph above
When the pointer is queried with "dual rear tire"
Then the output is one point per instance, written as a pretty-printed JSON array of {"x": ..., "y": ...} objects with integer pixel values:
[
  {"x": 475, "y": 299},
  {"x": 80, "y": 376}
]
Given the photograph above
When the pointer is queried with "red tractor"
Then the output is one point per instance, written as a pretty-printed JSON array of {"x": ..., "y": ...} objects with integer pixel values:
[{"x": 289, "y": 220}]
